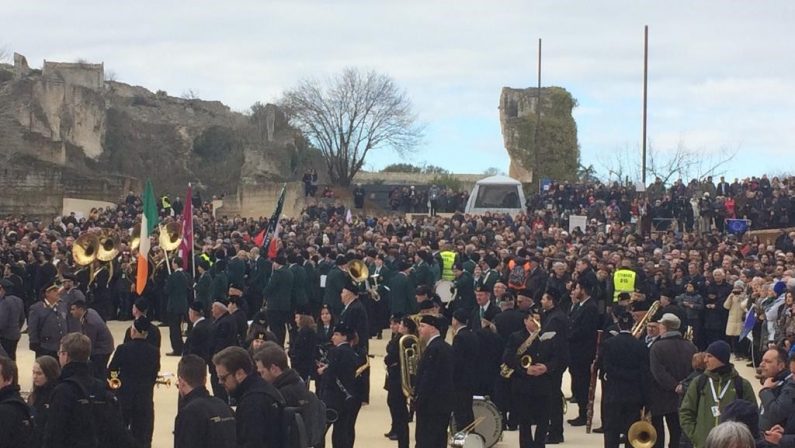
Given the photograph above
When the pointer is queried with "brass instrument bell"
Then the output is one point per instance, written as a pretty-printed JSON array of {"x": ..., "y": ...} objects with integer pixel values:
[
  {"x": 164, "y": 379},
  {"x": 114, "y": 382},
  {"x": 85, "y": 248},
  {"x": 170, "y": 236},
  {"x": 358, "y": 271},
  {"x": 135, "y": 237},
  {"x": 642, "y": 433},
  {"x": 108, "y": 246},
  {"x": 526, "y": 361}
]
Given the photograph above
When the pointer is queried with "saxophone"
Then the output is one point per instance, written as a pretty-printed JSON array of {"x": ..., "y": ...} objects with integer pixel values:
[{"x": 524, "y": 360}]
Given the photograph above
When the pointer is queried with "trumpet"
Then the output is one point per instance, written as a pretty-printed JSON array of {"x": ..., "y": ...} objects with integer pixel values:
[{"x": 164, "y": 379}]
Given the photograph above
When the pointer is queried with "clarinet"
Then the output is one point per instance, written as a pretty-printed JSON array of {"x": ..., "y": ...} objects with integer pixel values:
[{"x": 592, "y": 386}]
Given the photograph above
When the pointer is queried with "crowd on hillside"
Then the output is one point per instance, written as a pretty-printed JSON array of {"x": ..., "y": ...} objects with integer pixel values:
[{"x": 709, "y": 277}]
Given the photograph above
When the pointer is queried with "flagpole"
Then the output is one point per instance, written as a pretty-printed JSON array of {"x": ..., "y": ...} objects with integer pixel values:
[
  {"x": 193, "y": 244},
  {"x": 168, "y": 265}
]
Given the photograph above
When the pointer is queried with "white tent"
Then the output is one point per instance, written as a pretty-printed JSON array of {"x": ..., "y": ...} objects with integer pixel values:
[{"x": 496, "y": 194}]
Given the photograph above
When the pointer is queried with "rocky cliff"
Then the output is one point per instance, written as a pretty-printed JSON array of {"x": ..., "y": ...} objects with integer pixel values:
[
  {"x": 107, "y": 136},
  {"x": 552, "y": 151}
]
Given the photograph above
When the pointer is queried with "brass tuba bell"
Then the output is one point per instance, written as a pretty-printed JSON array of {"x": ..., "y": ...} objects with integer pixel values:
[
  {"x": 642, "y": 434},
  {"x": 358, "y": 271},
  {"x": 85, "y": 249},
  {"x": 409, "y": 351},
  {"x": 108, "y": 246},
  {"x": 170, "y": 236},
  {"x": 135, "y": 237}
]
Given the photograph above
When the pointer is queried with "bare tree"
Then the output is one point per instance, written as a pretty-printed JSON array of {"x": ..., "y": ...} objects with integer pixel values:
[
  {"x": 350, "y": 114},
  {"x": 682, "y": 162},
  {"x": 493, "y": 171},
  {"x": 4, "y": 54},
  {"x": 190, "y": 94}
]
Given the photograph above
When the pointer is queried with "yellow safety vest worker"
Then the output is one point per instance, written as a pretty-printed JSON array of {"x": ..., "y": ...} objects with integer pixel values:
[
  {"x": 165, "y": 202},
  {"x": 206, "y": 258},
  {"x": 448, "y": 258},
  {"x": 623, "y": 281}
]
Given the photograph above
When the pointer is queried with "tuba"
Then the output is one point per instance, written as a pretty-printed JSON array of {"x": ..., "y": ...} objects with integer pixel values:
[
  {"x": 170, "y": 236},
  {"x": 85, "y": 248},
  {"x": 135, "y": 237},
  {"x": 642, "y": 434},
  {"x": 640, "y": 326},
  {"x": 358, "y": 271},
  {"x": 410, "y": 351}
]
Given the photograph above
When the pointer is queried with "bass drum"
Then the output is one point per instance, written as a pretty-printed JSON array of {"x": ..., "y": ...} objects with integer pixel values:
[
  {"x": 470, "y": 440},
  {"x": 443, "y": 290},
  {"x": 490, "y": 426}
]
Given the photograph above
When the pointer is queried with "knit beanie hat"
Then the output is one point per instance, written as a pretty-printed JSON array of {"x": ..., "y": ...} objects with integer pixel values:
[{"x": 720, "y": 350}]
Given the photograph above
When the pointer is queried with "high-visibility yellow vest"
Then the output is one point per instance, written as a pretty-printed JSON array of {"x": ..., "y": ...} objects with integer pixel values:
[
  {"x": 623, "y": 281},
  {"x": 165, "y": 202},
  {"x": 448, "y": 258},
  {"x": 206, "y": 258}
]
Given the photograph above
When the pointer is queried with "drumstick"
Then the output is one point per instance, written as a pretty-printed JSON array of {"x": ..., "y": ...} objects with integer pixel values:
[{"x": 468, "y": 428}]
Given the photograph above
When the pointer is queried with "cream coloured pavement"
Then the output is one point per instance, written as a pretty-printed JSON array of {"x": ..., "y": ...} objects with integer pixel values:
[{"x": 373, "y": 419}]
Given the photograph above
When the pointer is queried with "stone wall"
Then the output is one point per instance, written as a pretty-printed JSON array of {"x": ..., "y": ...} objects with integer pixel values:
[
  {"x": 367, "y": 177},
  {"x": 30, "y": 193},
  {"x": 91, "y": 76}
]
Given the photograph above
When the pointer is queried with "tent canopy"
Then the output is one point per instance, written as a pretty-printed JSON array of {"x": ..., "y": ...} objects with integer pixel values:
[{"x": 497, "y": 194}]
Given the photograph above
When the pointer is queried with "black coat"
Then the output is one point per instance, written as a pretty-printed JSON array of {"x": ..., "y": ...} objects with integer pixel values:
[
  {"x": 557, "y": 321},
  {"x": 292, "y": 388},
  {"x": 545, "y": 350},
  {"x": 509, "y": 322},
  {"x": 583, "y": 325},
  {"x": 537, "y": 283},
  {"x": 624, "y": 367},
  {"x": 224, "y": 333},
  {"x": 355, "y": 317},
  {"x": 241, "y": 324},
  {"x": 152, "y": 336},
  {"x": 15, "y": 420},
  {"x": 40, "y": 409},
  {"x": 342, "y": 364},
  {"x": 302, "y": 352},
  {"x": 138, "y": 364},
  {"x": 258, "y": 415},
  {"x": 204, "y": 422},
  {"x": 434, "y": 392},
  {"x": 466, "y": 349},
  {"x": 491, "y": 310},
  {"x": 392, "y": 362},
  {"x": 199, "y": 340},
  {"x": 670, "y": 359}
]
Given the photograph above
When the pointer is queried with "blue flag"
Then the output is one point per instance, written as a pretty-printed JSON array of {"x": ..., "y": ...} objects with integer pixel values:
[{"x": 748, "y": 326}]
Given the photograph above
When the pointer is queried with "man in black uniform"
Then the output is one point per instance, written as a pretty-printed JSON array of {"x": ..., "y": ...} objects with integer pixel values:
[
  {"x": 395, "y": 398},
  {"x": 354, "y": 316},
  {"x": 199, "y": 338},
  {"x": 465, "y": 357},
  {"x": 140, "y": 308},
  {"x": 259, "y": 404},
  {"x": 532, "y": 385},
  {"x": 339, "y": 390},
  {"x": 278, "y": 298},
  {"x": 16, "y": 424},
  {"x": 624, "y": 368},
  {"x": 434, "y": 394},
  {"x": 484, "y": 308},
  {"x": 137, "y": 364},
  {"x": 224, "y": 334},
  {"x": 554, "y": 319},
  {"x": 583, "y": 325},
  {"x": 202, "y": 421}
]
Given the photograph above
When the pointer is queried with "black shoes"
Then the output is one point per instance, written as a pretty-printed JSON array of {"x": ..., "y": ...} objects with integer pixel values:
[
  {"x": 173, "y": 354},
  {"x": 579, "y": 421},
  {"x": 599, "y": 430}
]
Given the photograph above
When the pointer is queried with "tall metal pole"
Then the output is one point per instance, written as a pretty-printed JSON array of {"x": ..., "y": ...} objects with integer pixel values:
[
  {"x": 536, "y": 149},
  {"x": 645, "y": 84}
]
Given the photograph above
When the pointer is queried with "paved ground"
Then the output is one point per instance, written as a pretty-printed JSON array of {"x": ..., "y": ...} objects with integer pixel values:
[{"x": 373, "y": 420}]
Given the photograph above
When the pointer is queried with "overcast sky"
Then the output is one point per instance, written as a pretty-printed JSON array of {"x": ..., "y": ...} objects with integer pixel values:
[{"x": 722, "y": 73}]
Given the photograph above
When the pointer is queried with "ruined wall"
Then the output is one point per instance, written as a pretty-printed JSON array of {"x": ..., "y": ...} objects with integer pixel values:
[{"x": 545, "y": 149}]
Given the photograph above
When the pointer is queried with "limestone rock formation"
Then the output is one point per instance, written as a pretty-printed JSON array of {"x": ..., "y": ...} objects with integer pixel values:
[
  {"x": 551, "y": 153},
  {"x": 110, "y": 136}
]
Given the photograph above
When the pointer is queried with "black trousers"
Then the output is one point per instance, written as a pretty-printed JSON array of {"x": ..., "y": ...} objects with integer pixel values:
[
  {"x": 534, "y": 412},
  {"x": 175, "y": 332},
  {"x": 139, "y": 416},
  {"x": 462, "y": 409},
  {"x": 431, "y": 429},
  {"x": 617, "y": 419},
  {"x": 344, "y": 434},
  {"x": 10, "y": 347},
  {"x": 43, "y": 352},
  {"x": 277, "y": 321},
  {"x": 99, "y": 366},
  {"x": 555, "y": 407},
  {"x": 674, "y": 429},
  {"x": 580, "y": 382},
  {"x": 399, "y": 411}
]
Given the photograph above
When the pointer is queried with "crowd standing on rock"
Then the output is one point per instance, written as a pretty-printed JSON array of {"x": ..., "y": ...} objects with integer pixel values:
[{"x": 654, "y": 297}]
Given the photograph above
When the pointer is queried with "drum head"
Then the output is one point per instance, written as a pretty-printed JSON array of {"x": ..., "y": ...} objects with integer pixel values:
[
  {"x": 473, "y": 440},
  {"x": 490, "y": 428},
  {"x": 443, "y": 290}
]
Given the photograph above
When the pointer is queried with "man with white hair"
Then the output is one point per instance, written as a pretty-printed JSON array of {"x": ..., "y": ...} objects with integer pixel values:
[
  {"x": 715, "y": 315},
  {"x": 670, "y": 359}
]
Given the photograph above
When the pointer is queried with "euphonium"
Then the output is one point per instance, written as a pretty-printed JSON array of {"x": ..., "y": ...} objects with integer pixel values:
[
  {"x": 642, "y": 434},
  {"x": 114, "y": 382},
  {"x": 358, "y": 271},
  {"x": 170, "y": 236},
  {"x": 410, "y": 351},
  {"x": 640, "y": 326}
]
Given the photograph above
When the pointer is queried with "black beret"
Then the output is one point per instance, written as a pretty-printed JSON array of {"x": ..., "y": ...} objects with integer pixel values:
[
  {"x": 142, "y": 304},
  {"x": 461, "y": 316},
  {"x": 344, "y": 330},
  {"x": 397, "y": 317},
  {"x": 431, "y": 320},
  {"x": 351, "y": 286},
  {"x": 261, "y": 318},
  {"x": 458, "y": 266},
  {"x": 426, "y": 305},
  {"x": 141, "y": 324},
  {"x": 422, "y": 253},
  {"x": 70, "y": 277},
  {"x": 53, "y": 285},
  {"x": 340, "y": 260},
  {"x": 422, "y": 290},
  {"x": 280, "y": 259},
  {"x": 197, "y": 306}
]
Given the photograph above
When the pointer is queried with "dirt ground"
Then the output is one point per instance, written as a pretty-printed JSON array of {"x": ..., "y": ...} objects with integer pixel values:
[{"x": 373, "y": 419}]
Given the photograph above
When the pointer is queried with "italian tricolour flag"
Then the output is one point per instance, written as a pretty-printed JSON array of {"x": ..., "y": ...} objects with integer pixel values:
[{"x": 148, "y": 223}]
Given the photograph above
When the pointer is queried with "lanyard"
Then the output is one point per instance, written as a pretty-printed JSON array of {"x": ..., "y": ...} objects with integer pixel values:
[{"x": 718, "y": 398}]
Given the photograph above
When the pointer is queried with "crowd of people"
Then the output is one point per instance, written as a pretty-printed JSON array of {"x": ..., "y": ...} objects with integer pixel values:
[{"x": 503, "y": 306}]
